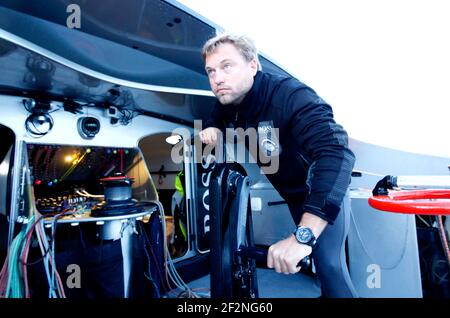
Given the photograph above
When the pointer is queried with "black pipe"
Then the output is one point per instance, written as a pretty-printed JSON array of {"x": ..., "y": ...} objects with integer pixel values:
[{"x": 260, "y": 255}]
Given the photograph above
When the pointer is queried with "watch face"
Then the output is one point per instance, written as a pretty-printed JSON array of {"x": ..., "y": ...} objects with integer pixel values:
[{"x": 303, "y": 234}]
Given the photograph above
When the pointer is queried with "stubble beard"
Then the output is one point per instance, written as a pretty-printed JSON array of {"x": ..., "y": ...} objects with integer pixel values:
[
  {"x": 226, "y": 99},
  {"x": 232, "y": 97}
]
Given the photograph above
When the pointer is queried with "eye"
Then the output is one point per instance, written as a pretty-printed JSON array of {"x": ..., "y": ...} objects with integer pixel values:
[
  {"x": 209, "y": 72},
  {"x": 227, "y": 66}
]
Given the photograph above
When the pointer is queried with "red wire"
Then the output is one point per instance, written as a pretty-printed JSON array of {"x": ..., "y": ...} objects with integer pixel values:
[
  {"x": 25, "y": 257},
  {"x": 444, "y": 239},
  {"x": 24, "y": 261},
  {"x": 4, "y": 277}
]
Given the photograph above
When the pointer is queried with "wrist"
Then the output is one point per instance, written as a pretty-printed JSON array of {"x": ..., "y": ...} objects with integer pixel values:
[{"x": 315, "y": 223}]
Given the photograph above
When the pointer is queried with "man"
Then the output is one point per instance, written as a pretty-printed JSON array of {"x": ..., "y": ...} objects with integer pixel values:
[{"x": 315, "y": 162}]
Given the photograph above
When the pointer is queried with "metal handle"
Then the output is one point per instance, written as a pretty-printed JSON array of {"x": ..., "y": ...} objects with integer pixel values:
[{"x": 260, "y": 254}]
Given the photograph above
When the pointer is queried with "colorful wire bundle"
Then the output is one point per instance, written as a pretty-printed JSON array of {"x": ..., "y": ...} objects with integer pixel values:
[{"x": 14, "y": 275}]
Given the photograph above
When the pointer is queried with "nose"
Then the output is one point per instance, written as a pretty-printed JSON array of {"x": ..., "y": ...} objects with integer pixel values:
[{"x": 219, "y": 77}]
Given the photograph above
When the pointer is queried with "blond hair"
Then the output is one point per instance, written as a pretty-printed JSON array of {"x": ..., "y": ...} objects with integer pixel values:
[{"x": 242, "y": 43}]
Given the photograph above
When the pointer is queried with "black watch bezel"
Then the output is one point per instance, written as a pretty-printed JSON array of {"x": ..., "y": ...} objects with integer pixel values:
[{"x": 311, "y": 239}]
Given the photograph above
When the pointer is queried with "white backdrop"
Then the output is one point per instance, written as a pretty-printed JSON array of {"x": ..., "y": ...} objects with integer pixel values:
[{"x": 384, "y": 65}]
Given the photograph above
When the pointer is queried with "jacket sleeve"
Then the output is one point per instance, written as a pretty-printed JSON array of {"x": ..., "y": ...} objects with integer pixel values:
[{"x": 325, "y": 144}]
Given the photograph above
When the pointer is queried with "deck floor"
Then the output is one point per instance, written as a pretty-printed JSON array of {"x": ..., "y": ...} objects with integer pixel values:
[{"x": 273, "y": 285}]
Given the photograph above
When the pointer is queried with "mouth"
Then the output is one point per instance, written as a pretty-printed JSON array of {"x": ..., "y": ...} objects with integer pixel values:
[{"x": 222, "y": 90}]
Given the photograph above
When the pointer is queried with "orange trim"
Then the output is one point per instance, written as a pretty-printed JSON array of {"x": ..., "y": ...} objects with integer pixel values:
[
  {"x": 115, "y": 178},
  {"x": 435, "y": 202}
]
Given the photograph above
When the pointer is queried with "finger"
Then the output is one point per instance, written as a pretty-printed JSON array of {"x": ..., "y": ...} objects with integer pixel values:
[
  {"x": 202, "y": 136},
  {"x": 278, "y": 265},
  {"x": 294, "y": 269},
  {"x": 292, "y": 266},
  {"x": 279, "y": 268},
  {"x": 205, "y": 138},
  {"x": 284, "y": 267},
  {"x": 270, "y": 260}
]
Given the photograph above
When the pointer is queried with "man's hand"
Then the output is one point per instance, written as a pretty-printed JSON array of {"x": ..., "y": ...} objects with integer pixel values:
[
  {"x": 209, "y": 135},
  {"x": 285, "y": 255}
]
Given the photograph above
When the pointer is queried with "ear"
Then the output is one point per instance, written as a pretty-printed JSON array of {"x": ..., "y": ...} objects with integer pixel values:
[{"x": 254, "y": 66}]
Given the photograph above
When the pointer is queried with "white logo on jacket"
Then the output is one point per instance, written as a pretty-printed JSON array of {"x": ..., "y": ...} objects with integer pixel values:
[{"x": 268, "y": 139}]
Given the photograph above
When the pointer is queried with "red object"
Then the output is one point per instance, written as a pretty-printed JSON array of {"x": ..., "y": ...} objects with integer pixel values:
[
  {"x": 114, "y": 178},
  {"x": 433, "y": 202}
]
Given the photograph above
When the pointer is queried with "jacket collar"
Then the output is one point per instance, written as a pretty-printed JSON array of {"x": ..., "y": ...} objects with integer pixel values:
[{"x": 252, "y": 104}]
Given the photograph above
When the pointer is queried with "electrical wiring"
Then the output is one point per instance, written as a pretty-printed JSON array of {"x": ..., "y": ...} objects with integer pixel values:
[
  {"x": 60, "y": 287},
  {"x": 423, "y": 220},
  {"x": 56, "y": 288},
  {"x": 84, "y": 193},
  {"x": 49, "y": 258},
  {"x": 46, "y": 251},
  {"x": 14, "y": 286},
  {"x": 29, "y": 108},
  {"x": 4, "y": 276},
  {"x": 444, "y": 239},
  {"x": 43, "y": 245},
  {"x": 149, "y": 277},
  {"x": 126, "y": 115},
  {"x": 200, "y": 294},
  {"x": 14, "y": 276},
  {"x": 171, "y": 270},
  {"x": 42, "y": 239},
  {"x": 158, "y": 269},
  {"x": 39, "y": 122},
  {"x": 53, "y": 229},
  {"x": 24, "y": 258},
  {"x": 169, "y": 287},
  {"x": 40, "y": 229},
  {"x": 35, "y": 122},
  {"x": 14, "y": 271},
  {"x": 179, "y": 281}
]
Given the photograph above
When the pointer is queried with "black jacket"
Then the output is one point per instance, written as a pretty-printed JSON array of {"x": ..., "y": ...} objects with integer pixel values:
[{"x": 315, "y": 163}]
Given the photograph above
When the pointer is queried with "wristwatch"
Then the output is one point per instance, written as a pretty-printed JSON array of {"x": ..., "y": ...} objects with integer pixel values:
[{"x": 304, "y": 235}]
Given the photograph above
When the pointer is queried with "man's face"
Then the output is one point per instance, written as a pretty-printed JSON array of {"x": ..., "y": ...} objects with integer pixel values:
[{"x": 230, "y": 75}]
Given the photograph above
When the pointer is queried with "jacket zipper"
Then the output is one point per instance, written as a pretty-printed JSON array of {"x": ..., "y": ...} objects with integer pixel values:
[
  {"x": 231, "y": 123},
  {"x": 304, "y": 159}
]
